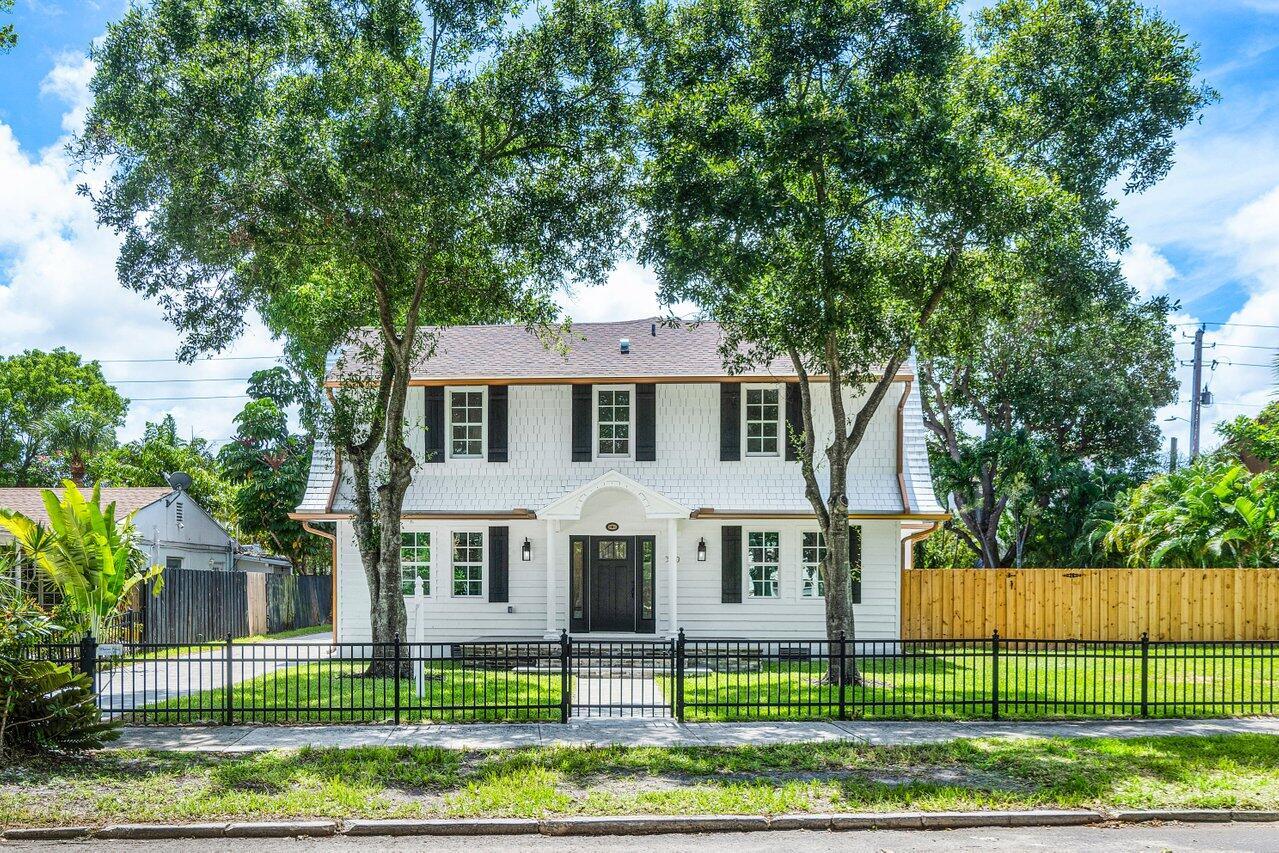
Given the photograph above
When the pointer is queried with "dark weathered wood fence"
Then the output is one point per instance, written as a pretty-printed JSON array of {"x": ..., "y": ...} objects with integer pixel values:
[{"x": 197, "y": 606}]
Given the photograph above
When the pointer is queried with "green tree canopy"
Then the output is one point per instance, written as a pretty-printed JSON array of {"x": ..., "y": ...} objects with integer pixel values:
[
  {"x": 39, "y": 390},
  {"x": 161, "y": 451},
  {"x": 828, "y": 178},
  {"x": 1038, "y": 412},
  {"x": 269, "y": 467},
  {"x": 393, "y": 164},
  {"x": 8, "y": 37}
]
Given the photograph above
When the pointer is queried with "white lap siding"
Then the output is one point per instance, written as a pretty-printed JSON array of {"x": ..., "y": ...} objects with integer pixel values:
[
  {"x": 790, "y": 615},
  {"x": 449, "y": 617},
  {"x": 700, "y": 610}
]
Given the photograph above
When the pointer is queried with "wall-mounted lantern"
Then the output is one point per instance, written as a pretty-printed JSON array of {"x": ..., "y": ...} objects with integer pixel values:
[
  {"x": 526, "y": 550},
  {"x": 701, "y": 550}
]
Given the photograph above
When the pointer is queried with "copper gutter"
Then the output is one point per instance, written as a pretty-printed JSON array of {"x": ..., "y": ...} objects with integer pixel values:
[
  {"x": 333, "y": 569},
  {"x": 711, "y": 512},
  {"x": 901, "y": 452}
]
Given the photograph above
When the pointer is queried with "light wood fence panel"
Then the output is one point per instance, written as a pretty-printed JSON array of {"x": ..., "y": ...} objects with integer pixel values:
[{"x": 1101, "y": 604}]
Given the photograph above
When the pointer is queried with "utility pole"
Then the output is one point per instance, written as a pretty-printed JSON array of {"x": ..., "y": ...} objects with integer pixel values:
[
  {"x": 1172, "y": 456},
  {"x": 1195, "y": 393}
]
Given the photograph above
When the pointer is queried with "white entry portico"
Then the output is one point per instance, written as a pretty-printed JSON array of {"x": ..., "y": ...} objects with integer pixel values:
[{"x": 611, "y": 509}]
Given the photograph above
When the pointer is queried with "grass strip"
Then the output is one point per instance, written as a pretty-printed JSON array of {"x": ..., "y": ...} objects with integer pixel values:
[{"x": 1225, "y": 771}]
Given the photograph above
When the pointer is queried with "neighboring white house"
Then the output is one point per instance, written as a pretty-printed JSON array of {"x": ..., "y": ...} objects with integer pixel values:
[
  {"x": 627, "y": 487},
  {"x": 174, "y": 530}
]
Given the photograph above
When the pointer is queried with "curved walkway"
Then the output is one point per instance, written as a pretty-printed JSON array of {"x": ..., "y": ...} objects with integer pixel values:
[{"x": 656, "y": 733}]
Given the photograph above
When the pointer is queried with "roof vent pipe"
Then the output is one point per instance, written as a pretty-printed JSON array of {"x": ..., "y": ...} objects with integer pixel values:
[
  {"x": 625, "y": 345},
  {"x": 653, "y": 330}
]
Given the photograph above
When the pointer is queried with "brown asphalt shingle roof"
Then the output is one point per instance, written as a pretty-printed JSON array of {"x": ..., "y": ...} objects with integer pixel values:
[
  {"x": 593, "y": 352},
  {"x": 29, "y": 502}
]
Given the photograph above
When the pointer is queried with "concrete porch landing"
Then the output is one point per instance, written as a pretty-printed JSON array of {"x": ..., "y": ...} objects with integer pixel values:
[{"x": 636, "y": 732}]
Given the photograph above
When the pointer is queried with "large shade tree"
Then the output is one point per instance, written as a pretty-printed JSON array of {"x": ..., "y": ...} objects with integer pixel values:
[
  {"x": 392, "y": 164},
  {"x": 44, "y": 396},
  {"x": 1038, "y": 413},
  {"x": 828, "y": 177}
]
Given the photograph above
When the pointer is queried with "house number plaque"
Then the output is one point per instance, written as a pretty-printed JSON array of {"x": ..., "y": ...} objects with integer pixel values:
[{"x": 611, "y": 526}]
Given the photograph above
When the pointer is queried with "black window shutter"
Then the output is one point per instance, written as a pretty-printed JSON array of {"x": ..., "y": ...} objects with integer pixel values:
[
  {"x": 731, "y": 564},
  {"x": 498, "y": 420},
  {"x": 855, "y": 560},
  {"x": 646, "y": 422},
  {"x": 434, "y": 424},
  {"x": 499, "y": 563},
  {"x": 730, "y": 421},
  {"x": 794, "y": 420},
  {"x": 581, "y": 423}
]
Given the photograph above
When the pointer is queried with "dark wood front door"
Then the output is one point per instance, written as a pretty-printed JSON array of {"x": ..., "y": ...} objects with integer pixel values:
[{"x": 612, "y": 584}]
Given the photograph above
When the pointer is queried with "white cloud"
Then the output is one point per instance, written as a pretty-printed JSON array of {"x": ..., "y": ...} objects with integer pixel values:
[
  {"x": 1147, "y": 270},
  {"x": 629, "y": 294},
  {"x": 1238, "y": 355},
  {"x": 58, "y": 285}
]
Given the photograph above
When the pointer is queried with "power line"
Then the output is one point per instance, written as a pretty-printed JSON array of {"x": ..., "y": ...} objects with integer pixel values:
[
  {"x": 1237, "y": 325},
  {"x": 162, "y": 381},
  {"x": 209, "y": 397},
  {"x": 180, "y": 361}
]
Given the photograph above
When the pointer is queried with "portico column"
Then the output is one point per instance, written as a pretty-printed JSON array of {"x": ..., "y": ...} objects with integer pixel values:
[
  {"x": 672, "y": 536},
  {"x": 551, "y": 628}
]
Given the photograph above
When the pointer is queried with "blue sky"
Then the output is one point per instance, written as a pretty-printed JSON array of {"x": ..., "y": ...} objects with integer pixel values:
[{"x": 1208, "y": 235}]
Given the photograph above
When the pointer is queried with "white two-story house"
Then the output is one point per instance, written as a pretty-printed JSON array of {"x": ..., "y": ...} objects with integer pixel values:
[{"x": 627, "y": 487}]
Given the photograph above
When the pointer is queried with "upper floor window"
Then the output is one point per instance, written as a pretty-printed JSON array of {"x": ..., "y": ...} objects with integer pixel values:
[
  {"x": 415, "y": 561},
  {"x": 762, "y": 414},
  {"x": 466, "y": 423},
  {"x": 468, "y": 563},
  {"x": 613, "y": 411},
  {"x": 763, "y": 563},
  {"x": 812, "y": 552}
]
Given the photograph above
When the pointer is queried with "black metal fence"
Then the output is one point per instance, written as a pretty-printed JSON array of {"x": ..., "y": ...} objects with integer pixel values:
[{"x": 687, "y": 679}]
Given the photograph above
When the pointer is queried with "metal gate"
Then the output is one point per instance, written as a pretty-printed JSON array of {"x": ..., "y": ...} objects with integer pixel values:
[{"x": 621, "y": 678}]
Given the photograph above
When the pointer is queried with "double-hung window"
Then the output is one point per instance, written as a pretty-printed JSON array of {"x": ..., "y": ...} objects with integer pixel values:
[
  {"x": 613, "y": 412},
  {"x": 763, "y": 563},
  {"x": 466, "y": 423},
  {"x": 762, "y": 414},
  {"x": 415, "y": 562},
  {"x": 812, "y": 552},
  {"x": 468, "y": 563}
]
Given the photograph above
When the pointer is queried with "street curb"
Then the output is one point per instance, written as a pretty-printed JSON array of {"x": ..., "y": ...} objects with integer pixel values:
[
  {"x": 634, "y": 824},
  {"x": 1195, "y": 816},
  {"x": 46, "y": 833},
  {"x": 442, "y": 826}
]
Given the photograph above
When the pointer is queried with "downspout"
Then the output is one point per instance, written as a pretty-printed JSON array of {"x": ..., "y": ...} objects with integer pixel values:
[
  {"x": 333, "y": 570},
  {"x": 901, "y": 454},
  {"x": 907, "y": 544}
]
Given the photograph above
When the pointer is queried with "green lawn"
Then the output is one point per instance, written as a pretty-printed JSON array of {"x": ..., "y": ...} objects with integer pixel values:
[
  {"x": 957, "y": 685},
  {"x": 328, "y": 691},
  {"x": 1234, "y": 771}
]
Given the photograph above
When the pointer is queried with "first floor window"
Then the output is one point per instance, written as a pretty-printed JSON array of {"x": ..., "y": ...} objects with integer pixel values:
[
  {"x": 172, "y": 563},
  {"x": 812, "y": 552},
  {"x": 466, "y": 424},
  {"x": 415, "y": 562},
  {"x": 763, "y": 554},
  {"x": 468, "y": 563}
]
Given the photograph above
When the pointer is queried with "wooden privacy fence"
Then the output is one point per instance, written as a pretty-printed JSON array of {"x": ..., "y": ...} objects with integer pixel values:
[
  {"x": 197, "y": 606},
  {"x": 1180, "y": 605}
]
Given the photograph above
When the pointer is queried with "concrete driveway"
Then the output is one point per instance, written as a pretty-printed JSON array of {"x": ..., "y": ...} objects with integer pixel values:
[{"x": 137, "y": 683}]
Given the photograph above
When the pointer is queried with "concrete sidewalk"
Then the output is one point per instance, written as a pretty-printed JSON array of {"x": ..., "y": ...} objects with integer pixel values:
[{"x": 655, "y": 733}]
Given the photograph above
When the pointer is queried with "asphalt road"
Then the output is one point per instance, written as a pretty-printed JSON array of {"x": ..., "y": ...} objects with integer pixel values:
[{"x": 1123, "y": 839}]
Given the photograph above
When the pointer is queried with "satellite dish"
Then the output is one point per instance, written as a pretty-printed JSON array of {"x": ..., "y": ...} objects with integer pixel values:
[{"x": 179, "y": 481}]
